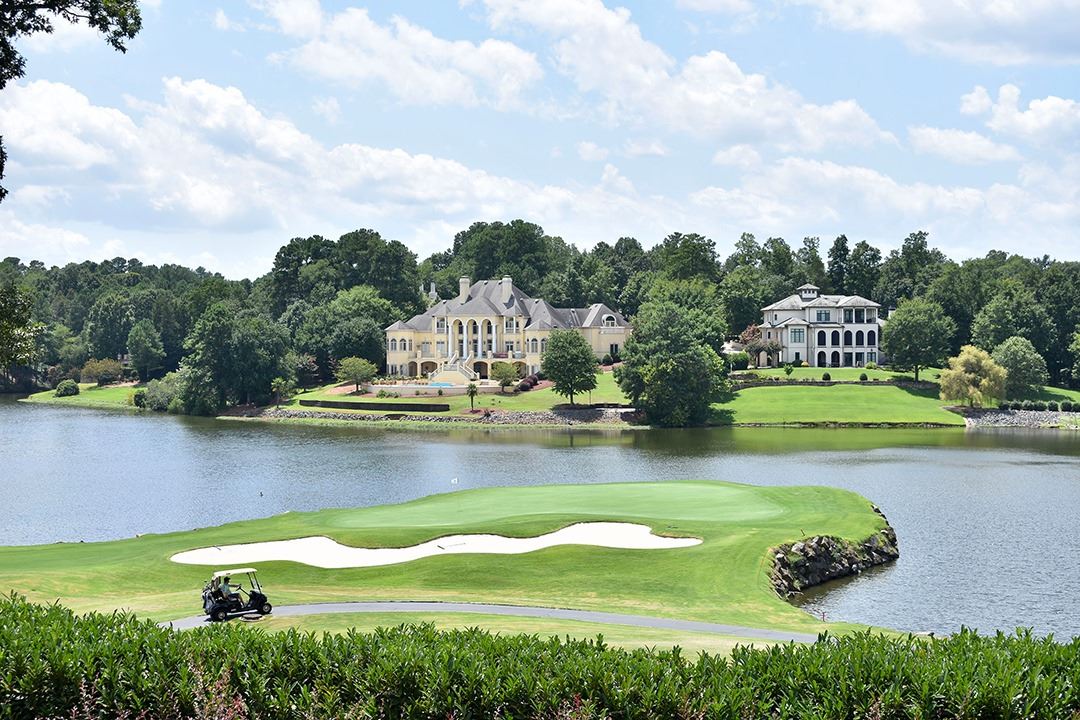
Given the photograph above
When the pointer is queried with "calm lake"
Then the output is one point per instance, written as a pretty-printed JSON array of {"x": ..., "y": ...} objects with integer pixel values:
[{"x": 988, "y": 521}]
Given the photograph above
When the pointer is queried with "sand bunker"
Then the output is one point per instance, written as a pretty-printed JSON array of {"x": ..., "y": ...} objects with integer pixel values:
[{"x": 326, "y": 553}]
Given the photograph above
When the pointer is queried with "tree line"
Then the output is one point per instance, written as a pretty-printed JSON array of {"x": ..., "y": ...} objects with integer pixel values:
[{"x": 325, "y": 300}]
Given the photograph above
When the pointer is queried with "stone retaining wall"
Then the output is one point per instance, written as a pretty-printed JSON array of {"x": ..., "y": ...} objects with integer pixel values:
[
  {"x": 804, "y": 564},
  {"x": 583, "y": 416}
]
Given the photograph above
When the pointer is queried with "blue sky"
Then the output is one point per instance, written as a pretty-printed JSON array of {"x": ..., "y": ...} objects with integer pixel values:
[{"x": 230, "y": 127}]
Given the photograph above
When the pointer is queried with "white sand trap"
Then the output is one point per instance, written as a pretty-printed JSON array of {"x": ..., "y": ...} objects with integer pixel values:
[{"x": 326, "y": 553}]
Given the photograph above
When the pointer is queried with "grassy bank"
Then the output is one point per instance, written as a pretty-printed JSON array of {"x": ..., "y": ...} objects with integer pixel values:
[
  {"x": 722, "y": 580},
  {"x": 91, "y": 396},
  {"x": 841, "y": 404}
]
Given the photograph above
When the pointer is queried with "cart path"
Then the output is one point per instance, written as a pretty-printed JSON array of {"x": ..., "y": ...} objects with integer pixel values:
[{"x": 592, "y": 616}]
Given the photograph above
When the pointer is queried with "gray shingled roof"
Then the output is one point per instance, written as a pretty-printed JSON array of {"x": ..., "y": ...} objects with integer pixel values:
[
  {"x": 484, "y": 299},
  {"x": 794, "y": 302}
]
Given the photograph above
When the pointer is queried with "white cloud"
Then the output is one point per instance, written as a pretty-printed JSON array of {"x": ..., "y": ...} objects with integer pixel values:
[
  {"x": 604, "y": 53},
  {"x": 641, "y": 148},
  {"x": 737, "y": 156},
  {"x": 328, "y": 109},
  {"x": 65, "y": 37},
  {"x": 728, "y": 7},
  {"x": 615, "y": 181},
  {"x": 223, "y": 23},
  {"x": 1000, "y": 32},
  {"x": 48, "y": 123},
  {"x": 1050, "y": 121},
  {"x": 591, "y": 152},
  {"x": 411, "y": 62},
  {"x": 300, "y": 18},
  {"x": 967, "y": 148}
]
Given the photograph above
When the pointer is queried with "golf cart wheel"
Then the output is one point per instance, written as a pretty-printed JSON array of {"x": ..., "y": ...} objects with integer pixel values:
[
  {"x": 265, "y": 608},
  {"x": 219, "y": 615}
]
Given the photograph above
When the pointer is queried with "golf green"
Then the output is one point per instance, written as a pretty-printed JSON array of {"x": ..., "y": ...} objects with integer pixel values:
[{"x": 723, "y": 580}]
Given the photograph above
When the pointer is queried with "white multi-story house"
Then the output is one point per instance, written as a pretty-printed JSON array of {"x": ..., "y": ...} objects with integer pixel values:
[{"x": 822, "y": 330}]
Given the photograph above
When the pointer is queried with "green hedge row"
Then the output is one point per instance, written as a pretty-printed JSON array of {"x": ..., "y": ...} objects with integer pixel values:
[{"x": 56, "y": 664}]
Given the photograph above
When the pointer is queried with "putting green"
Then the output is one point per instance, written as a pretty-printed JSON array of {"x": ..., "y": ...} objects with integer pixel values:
[{"x": 722, "y": 580}]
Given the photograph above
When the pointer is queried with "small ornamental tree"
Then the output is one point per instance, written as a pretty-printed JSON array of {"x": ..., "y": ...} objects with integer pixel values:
[
  {"x": 471, "y": 391},
  {"x": 569, "y": 363},
  {"x": 356, "y": 370},
  {"x": 917, "y": 335},
  {"x": 1025, "y": 367},
  {"x": 750, "y": 334},
  {"x": 504, "y": 374},
  {"x": 973, "y": 378}
]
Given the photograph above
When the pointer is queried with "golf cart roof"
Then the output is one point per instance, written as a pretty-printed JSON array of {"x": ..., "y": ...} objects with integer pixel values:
[{"x": 237, "y": 571}]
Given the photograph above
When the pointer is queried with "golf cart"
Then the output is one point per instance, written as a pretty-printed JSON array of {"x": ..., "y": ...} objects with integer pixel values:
[{"x": 222, "y": 597}]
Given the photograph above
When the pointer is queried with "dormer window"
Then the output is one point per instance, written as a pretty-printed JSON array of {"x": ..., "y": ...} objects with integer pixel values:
[{"x": 609, "y": 321}]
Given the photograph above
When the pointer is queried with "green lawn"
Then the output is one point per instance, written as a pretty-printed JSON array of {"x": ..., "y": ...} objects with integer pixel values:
[
  {"x": 607, "y": 391},
  {"x": 618, "y": 635},
  {"x": 90, "y": 395},
  {"x": 722, "y": 580},
  {"x": 848, "y": 373},
  {"x": 794, "y": 404}
]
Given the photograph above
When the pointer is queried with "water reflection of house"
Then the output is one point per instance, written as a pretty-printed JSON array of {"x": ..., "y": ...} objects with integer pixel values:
[
  {"x": 822, "y": 330},
  {"x": 493, "y": 321}
]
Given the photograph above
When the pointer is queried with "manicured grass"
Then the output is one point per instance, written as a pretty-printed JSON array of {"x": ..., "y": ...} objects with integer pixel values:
[
  {"x": 623, "y": 636},
  {"x": 607, "y": 391},
  {"x": 725, "y": 579},
  {"x": 90, "y": 395},
  {"x": 793, "y": 404},
  {"x": 848, "y": 373}
]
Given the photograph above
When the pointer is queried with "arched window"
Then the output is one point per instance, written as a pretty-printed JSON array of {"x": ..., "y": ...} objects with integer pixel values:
[
  {"x": 821, "y": 337},
  {"x": 609, "y": 321},
  {"x": 871, "y": 338},
  {"x": 847, "y": 337},
  {"x": 860, "y": 338},
  {"x": 533, "y": 345},
  {"x": 393, "y": 344},
  {"x": 821, "y": 362},
  {"x": 835, "y": 338},
  {"x": 543, "y": 345}
]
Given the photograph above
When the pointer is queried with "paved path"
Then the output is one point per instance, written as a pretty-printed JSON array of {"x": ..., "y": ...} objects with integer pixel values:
[{"x": 604, "y": 618}]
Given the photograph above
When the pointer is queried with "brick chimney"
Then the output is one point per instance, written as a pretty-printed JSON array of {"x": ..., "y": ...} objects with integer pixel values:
[
  {"x": 506, "y": 286},
  {"x": 463, "y": 289}
]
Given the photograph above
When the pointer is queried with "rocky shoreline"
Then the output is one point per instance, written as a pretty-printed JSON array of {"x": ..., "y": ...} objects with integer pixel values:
[
  {"x": 568, "y": 417},
  {"x": 1022, "y": 419},
  {"x": 804, "y": 564}
]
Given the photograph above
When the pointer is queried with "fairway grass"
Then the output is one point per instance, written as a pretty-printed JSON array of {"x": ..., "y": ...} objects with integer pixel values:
[
  {"x": 839, "y": 404},
  {"x": 624, "y": 636},
  {"x": 722, "y": 580}
]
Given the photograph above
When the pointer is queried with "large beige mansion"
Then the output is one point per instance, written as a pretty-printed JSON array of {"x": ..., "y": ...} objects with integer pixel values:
[
  {"x": 822, "y": 330},
  {"x": 492, "y": 321}
]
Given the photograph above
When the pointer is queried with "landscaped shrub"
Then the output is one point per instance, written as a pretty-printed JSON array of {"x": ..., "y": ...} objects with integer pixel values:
[
  {"x": 440, "y": 393},
  {"x": 58, "y": 664},
  {"x": 788, "y": 369},
  {"x": 606, "y": 360},
  {"x": 826, "y": 377},
  {"x": 1052, "y": 405},
  {"x": 67, "y": 388},
  {"x": 1004, "y": 405},
  {"x": 1038, "y": 405},
  {"x": 1067, "y": 405},
  {"x": 1027, "y": 405},
  {"x": 161, "y": 394},
  {"x": 871, "y": 365},
  {"x": 138, "y": 398},
  {"x": 102, "y": 372},
  {"x": 863, "y": 377}
]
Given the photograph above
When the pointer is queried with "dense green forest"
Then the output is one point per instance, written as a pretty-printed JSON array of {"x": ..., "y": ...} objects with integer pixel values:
[{"x": 325, "y": 300}]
